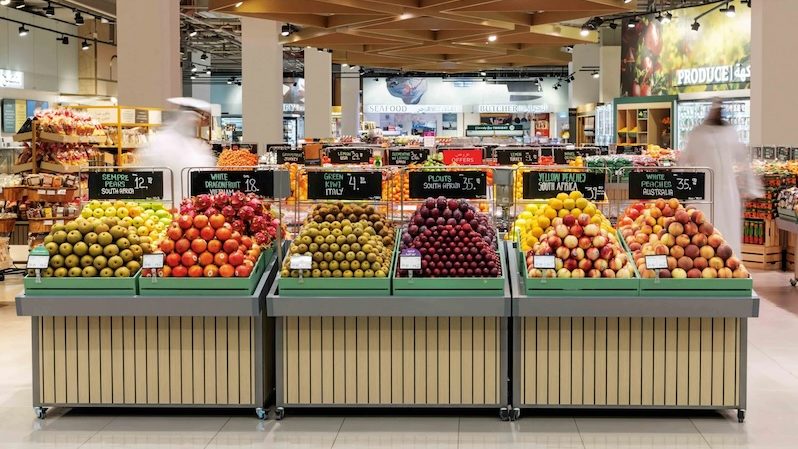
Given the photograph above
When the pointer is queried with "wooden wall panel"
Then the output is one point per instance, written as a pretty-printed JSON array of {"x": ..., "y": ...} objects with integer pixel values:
[
  {"x": 146, "y": 361},
  {"x": 402, "y": 360},
  {"x": 630, "y": 361}
]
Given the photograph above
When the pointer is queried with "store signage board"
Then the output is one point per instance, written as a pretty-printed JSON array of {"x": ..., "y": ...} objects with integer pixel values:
[
  {"x": 494, "y": 130},
  {"x": 286, "y": 154},
  {"x": 103, "y": 115},
  {"x": 301, "y": 262},
  {"x": 412, "y": 108},
  {"x": 509, "y": 156},
  {"x": 126, "y": 185},
  {"x": 653, "y": 184},
  {"x": 407, "y": 156},
  {"x": 783, "y": 154},
  {"x": 462, "y": 156},
  {"x": 127, "y": 116},
  {"x": 720, "y": 74},
  {"x": 768, "y": 153},
  {"x": 260, "y": 182},
  {"x": 349, "y": 155},
  {"x": 340, "y": 185},
  {"x": 410, "y": 259},
  {"x": 471, "y": 184},
  {"x": 12, "y": 79},
  {"x": 542, "y": 262},
  {"x": 155, "y": 117},
  {"x": 9, "y": 116},
  {"x": 512, "y": 108},
  {"x": 794, "y": 153},
  {"x": 152, "y": 261},
  {"x": 38, "y": 261},
  {"x": 547, "y": 184},
  {"x": 142, "y": 116}
]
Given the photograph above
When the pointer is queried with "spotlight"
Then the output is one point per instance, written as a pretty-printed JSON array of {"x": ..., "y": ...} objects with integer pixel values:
[
  {"x": 627, "y": 1},
  {"x": 193, "y": 68},
  {"x": 230, "y": 80},
  {"x": 104, "y": 20},
  {"x": 667, "y": 17},
  {"x": 729, "y": 10},
  {"x": 345, "y": 65},
  {"x": 204, "y": 57},
  {"x": 239, "y": 4},
  {"x": 492, "y": 38},
  {"x": 595, "y": 75},
  {"x": 85, "y": 45},
  {"x": 4, "y": 2},
  {"x": 571, "y": 78},
  {"x": 192, "y": 32},
  {"x": 746, "y": 2},
  {"x": 208, "y": 72},
  {"x": 584, "y": 31},
  {"x": 23, "y": 31},
  {"x": 540, "y": 79},
  {"x": 482, "y": 73},
  {"x": 20, "y": 4},
  {"x": 49, "y": 11},
  {"x": 613, "y": 25},
  {"x": 632, "y": 22},
  {"x": 63, "y": 39},
  {"x": 659, "y": 17},
  {"x": 695, "y": 26},
  {"x": 238, "y": 83},
  {"x": 193, "y": 77},
  {"x": 285, "y": 30},
  {"x": 79, "y": 18}
]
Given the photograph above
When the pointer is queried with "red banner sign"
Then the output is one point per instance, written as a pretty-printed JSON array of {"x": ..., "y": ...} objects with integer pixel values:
[{"x": 463, "y": 156}]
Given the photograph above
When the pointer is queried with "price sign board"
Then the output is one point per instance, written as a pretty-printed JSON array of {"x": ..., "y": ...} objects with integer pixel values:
[
  {"x": 543, "y": 262},
  {"x": 287, "y": 154},
  {"x": 653, "y": 184},
  {"x": 259, "y": 182},
  {"x": 407, "y": 156},
  {"x": 152, "y": 261},
  {"x": 38, "y": 261},
  {"x": 547, "y": 184},
  {"x": 126, "y": 185},
  {"x": 509, "y": 156},
  {"x": 783, "y": 154},
  {"x": 298, "y": 262},
  {"x": 462, "y": 156},
  {"x": 656, "y": 262},
  {"x": 337, "y": 185},
  {"x": 794, "y": 153},
  {"x": 347, "y": 155},
  {"x": 410, "y": 259},
  {"x": 768, "y": 153},
  {"x": 450, "y": 183}
]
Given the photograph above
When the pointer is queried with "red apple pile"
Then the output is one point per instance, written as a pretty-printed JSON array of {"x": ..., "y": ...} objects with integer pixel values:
[
  {"x": 203, "y": 246},
  {"x": 247, "y": 214},
  {"x": 580, "y": 249},
  {"x": 694, "y": 248},
  {"x": 454, "y": 239}
]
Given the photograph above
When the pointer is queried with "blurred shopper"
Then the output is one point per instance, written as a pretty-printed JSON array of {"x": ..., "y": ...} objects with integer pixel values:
[
  {"x": 176, "y": 145},
  {"x": 714, "y": 144}
]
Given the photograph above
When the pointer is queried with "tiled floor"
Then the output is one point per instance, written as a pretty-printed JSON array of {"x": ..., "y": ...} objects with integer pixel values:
[{"x": 772, "y": 421}]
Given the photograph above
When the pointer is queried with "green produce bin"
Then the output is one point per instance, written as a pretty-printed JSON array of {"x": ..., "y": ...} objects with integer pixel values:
[
  {"x": 218, "y": 286},
  {"x": 80, "y": 286}
]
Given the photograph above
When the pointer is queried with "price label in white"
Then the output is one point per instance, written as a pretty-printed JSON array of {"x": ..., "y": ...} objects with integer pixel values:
[
  {"x": 301, "y": 262},
  {"x": 62, "y": 191},
  {"x": 543, "y": 262},
  {"x": 152, "y": 261},
  {"x": 410, "y": 259},
  {"x": 41, "y": 192},
  {"x": 48, "y": 222},
  {"x": 656, "y": 262},
  {"x": 38, "y": 262}
]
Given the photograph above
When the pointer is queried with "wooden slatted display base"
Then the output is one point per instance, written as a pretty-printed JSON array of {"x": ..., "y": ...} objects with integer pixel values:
[
  {"x": 632, "y": 362},
  {"x": 390, "y": 361},
  {"x": 110, "y": 361},
  {"x": 761, "y": 257}
]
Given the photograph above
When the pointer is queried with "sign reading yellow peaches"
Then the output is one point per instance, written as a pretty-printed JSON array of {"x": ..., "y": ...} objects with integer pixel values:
[{"x": 668, "y": 57}]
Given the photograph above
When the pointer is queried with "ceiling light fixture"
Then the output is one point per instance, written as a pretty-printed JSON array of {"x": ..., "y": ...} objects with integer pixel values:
[
  {"x": 192, "y": 32},
  {"x": 208, "y": 72},
  {"x": 193, "y": 68},
  {"x": 659, "y": 17},
  {"x": 23, "y": 31},
  {"x": 595, "y": 75},
  {"x": 613, "y": 25},
  {"x": 63, "y": 39},
  {"x": 746, "y": 2},
  {"x": 49, "y": 11},
  {"x": 482, "y": 74},
  {"x": 204, "y": 56},
  {"x": 79, "y": 18},
  {"x": 584, "y": 31},
  {"x": 285, "y": 30},
  {"x": 627, "y": 1},
  {"x": 632, "y": 22},
  {"x": 193, "y": 77},
  {"x": 104, "y": 20},
  {"x": 239, "y": 4},
  {"x": 4, "y": 2},
  {"x": 695, "y": 26},
  {"x": 667, "y": 17},
  {"x": 729, "y": 10},
  {"x": 492, "y": 38},
  {"x": 20, "y": 4},
  {"x": 230, "y": 80},
  {"x": 85, "y": 45}
]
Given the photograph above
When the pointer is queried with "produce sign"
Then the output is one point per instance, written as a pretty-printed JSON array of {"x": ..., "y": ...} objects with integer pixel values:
[
  {"x": 462, "y": 156},
  {"x": 546, "y": 184},
  {"x": 127, "y": 185},
  {"x": 407, "y": 156},
  {"x": 349, "y": 155},
  {"x": 286, "y": 154},
  {"x": 365, "y": 185},
  {"x": 567, "y": 155},
  {"x": 768, "y": 153},
  {"x": 783, "y": 154},
  {"x": 452, "y": 184},
  {"x": 509, "y": 156},
  {"x": 650, "y": 185},
  {"x": 212, "y": 182}
]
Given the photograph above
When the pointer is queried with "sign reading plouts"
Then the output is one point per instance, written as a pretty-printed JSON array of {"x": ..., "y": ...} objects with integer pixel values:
[{"x": 722, "y": 74}]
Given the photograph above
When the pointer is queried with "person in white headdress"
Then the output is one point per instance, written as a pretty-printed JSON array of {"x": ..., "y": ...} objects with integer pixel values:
[
  {"x": 715, "y": 144},
  {"x": 176, "y": 145}
]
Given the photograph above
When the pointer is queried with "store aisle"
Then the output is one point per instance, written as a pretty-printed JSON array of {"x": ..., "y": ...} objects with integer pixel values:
[{"x": 771, "y": 420}]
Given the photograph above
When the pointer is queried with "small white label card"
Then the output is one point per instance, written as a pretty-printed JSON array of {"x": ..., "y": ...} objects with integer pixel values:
[
  {"x": 38, "y": 262},
  {"x": 301, "y": 262},
  {"x": 410, "y": 259},
  {"x": 152, "y": 261},
  {"x": 656, "y": 262},
  {"x": 542, "y": 262}
]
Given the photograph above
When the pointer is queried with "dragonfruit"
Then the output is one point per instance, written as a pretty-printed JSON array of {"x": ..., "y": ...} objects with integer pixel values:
[
  {"x": 211, "y": 211},
  {"x": 237, "y": 199},
  {"x": 203, "y": 201},
  {"x": 238, "y": 225},
  {"x": 246, "y": 213},
  {"x": 228, "y": 212},
  {"x": 220, "y": 200}
]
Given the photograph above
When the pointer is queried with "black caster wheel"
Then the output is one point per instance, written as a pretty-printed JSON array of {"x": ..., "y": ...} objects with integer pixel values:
[
  {"x": 516, "y": 414},
  {"x": 40, "y": 412},
  {"x": 504, "y": 414},
  {"x": 740, "y": 416},
  {"x": 279, "y": 413},
  {"x": 261, "y": 413},
  {"x": 793, "y": 282}
]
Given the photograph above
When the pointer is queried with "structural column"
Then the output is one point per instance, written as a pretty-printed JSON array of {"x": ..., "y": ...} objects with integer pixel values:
[
  {"x": 148, "y": 36},
  {"x": 350, "y": 101},
  {"x": 201, "y": 87},
  {"x": 773, "y": 97},
  {"x": 318, "y": 93},
  {"x": 262, "y": 81}
]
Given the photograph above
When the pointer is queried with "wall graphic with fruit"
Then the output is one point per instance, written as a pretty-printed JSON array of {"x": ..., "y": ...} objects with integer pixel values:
[{"x": 667, "y": 58}]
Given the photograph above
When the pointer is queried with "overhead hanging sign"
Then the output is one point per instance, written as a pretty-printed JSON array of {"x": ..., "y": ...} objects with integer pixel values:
[
  {"x": 512, "y": 108},
  {"x": 260, "y": 182},
  {"x": 653, "y": 184},
  {"x": 412, "y": 108},
  {"x": 126, "y": 185},
  {"x": 547, "y": 184},
  {"x": 449, "y": 183},
  {"x": 335, "y": 185}
]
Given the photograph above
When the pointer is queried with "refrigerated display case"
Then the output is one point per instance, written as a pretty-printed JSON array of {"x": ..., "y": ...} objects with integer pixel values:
[{"x": 736, "y": 111}]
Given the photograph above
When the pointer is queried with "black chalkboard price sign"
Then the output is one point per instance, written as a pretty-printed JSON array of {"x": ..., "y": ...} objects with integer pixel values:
[
  {"x": 126, "y": 185},
  {"x": 451, "y": 184},
  {"x": 287, "y": 154},
  {"x": 547, "y": 184},
  {"x": 509, "y": 156},
  {"x": 260, "y": 182},
  {"x": 337, "y": 185},
  {"x": 653, "y": 184},
  {"x": 768, "y": 153},
  {"x": 783, "y": 154},
  {"x": 345, "y": 155},
  {"x": 407, "y": 156}
]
